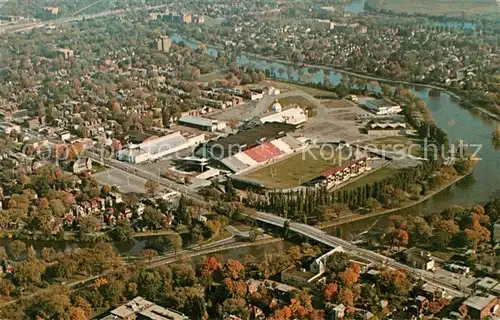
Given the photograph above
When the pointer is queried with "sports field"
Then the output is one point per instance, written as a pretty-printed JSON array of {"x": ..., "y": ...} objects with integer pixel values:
[{"x": 297, "y": 169}]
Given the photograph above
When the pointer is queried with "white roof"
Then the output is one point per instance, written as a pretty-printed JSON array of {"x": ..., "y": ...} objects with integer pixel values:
[{"x": 293, "y": 115}]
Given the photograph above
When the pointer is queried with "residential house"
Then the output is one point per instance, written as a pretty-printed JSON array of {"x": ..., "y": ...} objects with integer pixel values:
[{"x": 82, "y": 165}]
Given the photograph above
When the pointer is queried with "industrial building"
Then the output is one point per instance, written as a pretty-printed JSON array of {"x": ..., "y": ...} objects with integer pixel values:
[
  {"x": 140, "y": 308},
  {"x": 293, "y": 116},
  {"x": 153, "y": 149},
  {"x": 381, "y": 107},
  {"x": 203, "y": 123}
]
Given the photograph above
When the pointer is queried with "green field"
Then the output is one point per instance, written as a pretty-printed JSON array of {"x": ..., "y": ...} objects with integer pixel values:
[
  {"x": 438, "y": 7},
  {"x": 296, "y": 170}
]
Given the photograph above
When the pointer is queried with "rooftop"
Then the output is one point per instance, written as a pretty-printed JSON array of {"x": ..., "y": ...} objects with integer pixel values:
[
  {"x": 146, "y": 310},
  {"x": 419, "y": 254},
  {"x": 380, "y": 103},
  {"x": 487, "y": 283},
  {"x": 231, "y": 144},
  {"x": 479, "y": 302},
  {"x": 198, "y": 121}
]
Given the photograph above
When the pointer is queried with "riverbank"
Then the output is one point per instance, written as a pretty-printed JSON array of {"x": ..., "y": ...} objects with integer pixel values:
[
  {"x": 359, "y": 217},
  {"x": 349, "y": 72}
]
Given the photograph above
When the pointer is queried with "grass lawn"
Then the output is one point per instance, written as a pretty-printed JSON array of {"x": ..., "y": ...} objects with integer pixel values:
[
  {"x": 285, "y": 86},
  {"x": 371, "y": 177},
  {"x": 212, "y": 76},
  {"x": 296, "y": 170},
  {"x": 437, "y": 7},
  {"x": 291, "y": 101}
]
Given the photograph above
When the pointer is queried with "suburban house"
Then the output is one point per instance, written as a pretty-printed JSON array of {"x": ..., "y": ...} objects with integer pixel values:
[
  {"x": 419, "y": 258},
  {"x": 308, "y": 274},
  {"x": 82, "y": 165}
]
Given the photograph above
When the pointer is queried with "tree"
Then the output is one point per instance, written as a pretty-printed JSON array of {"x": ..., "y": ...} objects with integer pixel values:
[
  {"x": 330, "y": 291},
  {"x": 17, "y": 248},
  {"x": 48, "y": 254},
  {"x": 175, "y": 241},
  {"x": 337, "y": 262},
  {"x": 6, "y": 287},
  {"x": 351, "y": 275},
  {"x": 31, "y": 253},
  {"x": 183, "y": 275},
  {"x": 153, "y": 218},
  {"x": 123, "y": 231},
  {"x": 182, "y": 211},
  {"x": 476, "y": 233},
  {"x": 151, "y": 187},
  {"x": 149, "y": 254},
  {"x": 233, "y": 269},
  {"x": 75, "y": 313},
  {"x": 496, "y": 133},
  {"x": 28, "y": 273},
  {"x": 400, "y": 238},
  {"x": 346, "y": 297}
]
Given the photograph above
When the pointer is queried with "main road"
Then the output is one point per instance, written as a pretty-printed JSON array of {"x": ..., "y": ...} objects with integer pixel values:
[{"x": 329, "y": 240}]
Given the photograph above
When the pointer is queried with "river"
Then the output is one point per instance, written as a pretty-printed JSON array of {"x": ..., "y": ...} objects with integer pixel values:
[{"x": 460, "y": 123}]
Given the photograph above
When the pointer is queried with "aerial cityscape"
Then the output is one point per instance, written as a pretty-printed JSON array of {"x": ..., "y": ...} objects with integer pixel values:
[{"x": 314, "y": 159}]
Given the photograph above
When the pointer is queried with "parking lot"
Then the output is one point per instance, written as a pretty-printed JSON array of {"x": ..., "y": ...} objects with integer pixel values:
[{"x": 125, "y": 182}]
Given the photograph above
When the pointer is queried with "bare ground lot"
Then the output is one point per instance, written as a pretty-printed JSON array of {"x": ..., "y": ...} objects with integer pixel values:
[{"x": 297, "y": 169}]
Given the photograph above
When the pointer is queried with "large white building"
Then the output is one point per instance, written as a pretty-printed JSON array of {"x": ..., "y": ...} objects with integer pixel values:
[
  {"x": 159, "y": 147},
  {"x": 203, "y": 123},
  {"x": 382, "y": 107},
  {"x": 294, "y": 116}
]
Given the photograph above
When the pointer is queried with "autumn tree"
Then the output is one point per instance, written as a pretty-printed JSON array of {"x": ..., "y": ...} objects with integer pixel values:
[
  {"x": 17, "y": 248},
  {"x": 476, "y": 233},
  {"x": 149, "y": 254},
  {"x": 233, "y": 269},
  {"x": 175, "y": 242},
  {"x": 351, "y": 275},
  {"x": 330, "y": 291},
  {"x": 151, "y": 187}
]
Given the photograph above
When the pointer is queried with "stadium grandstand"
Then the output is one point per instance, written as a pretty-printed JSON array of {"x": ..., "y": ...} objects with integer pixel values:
[{"x": 250, "y": 148}]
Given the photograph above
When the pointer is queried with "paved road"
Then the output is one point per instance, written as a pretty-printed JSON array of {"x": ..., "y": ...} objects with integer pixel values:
[{"x": 322, "y": 237}]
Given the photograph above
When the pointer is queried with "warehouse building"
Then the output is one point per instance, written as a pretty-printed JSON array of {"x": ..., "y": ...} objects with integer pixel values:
[
  {"x": 293, "y": 116},
  {"x": 381, "y": 107},
  {"x": 153, "y": 149},
  {"x": 203, "y": 123}
]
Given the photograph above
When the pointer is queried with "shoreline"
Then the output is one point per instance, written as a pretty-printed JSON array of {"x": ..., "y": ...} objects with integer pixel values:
[
  {"x": 359, "y": 217},
  {"x": 347, "y": 72}
]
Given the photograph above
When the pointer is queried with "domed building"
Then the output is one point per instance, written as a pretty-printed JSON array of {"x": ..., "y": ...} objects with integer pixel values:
[{"x": 276, "y": 107}]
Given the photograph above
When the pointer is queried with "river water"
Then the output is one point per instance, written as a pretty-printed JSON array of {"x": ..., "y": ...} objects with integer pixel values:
[{"x": 471, "y": 127}]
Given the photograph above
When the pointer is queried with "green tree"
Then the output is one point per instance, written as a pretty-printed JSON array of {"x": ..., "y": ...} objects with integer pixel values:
[
  {"x": 123, "y": 231},
  {"x": 17, "y": 248},
  {"x": 175, "y": 242}
]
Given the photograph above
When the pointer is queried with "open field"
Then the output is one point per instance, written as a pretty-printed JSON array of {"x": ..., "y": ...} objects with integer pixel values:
[
  {"x": 285, "y": 86},
  {"x": 297, "y": 101},
  {"x": 438, "y": 7},
  {"x": 212, "y": 76},
  {"x": 296, "y": 170}
]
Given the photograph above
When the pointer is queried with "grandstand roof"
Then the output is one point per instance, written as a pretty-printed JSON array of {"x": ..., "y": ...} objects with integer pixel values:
[
  {"x": 263, "y": 152},
  {"x": 233, "y": 144},
  {"x": 330, "y": 172}
]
